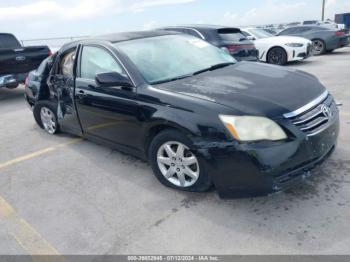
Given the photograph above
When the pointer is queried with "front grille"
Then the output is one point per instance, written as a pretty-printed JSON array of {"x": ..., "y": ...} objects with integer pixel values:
[{"x": 316, "y": 119}]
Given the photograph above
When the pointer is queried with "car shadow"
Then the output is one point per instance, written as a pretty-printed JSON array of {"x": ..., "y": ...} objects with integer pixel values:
[
  {"x": 302, "y": 63},
  {"x": 335, "y": 53},
  {"x": 11, "y": 94}
]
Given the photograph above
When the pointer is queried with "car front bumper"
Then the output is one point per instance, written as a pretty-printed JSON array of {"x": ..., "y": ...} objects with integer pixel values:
[
  {"x": 299, "y": 53},
  {"x": 257, "y": 169}
]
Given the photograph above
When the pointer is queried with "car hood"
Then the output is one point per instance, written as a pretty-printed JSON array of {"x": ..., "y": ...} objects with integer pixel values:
[
  {"x": 251, "y": 88},
  {"x": 281, "y": 40}
]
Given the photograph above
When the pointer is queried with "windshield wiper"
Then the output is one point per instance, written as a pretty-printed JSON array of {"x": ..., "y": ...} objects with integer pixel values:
[
  {"x": 171, "y": 79},
  {"x": 213, "y": 67}
]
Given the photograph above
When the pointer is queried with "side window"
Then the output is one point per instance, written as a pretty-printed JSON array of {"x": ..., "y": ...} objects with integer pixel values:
[
  {"x": 302, "y": 29},
  {"x": 42, "y": 66},
  {"x": 291, "y": 30},
  {"x": 67, "y": 64},
  {"x": 95, "y": 60}
]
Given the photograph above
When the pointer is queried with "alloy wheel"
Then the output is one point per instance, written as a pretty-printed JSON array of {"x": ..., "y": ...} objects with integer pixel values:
[
  {"x": 48, "y": 119},
  {"x": 178, "y": 164},
  {"x": 318, "y": 47},
  {"x": 276, "y": 56}
]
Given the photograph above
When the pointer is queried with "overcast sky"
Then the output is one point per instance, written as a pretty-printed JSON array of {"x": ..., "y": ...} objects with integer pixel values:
[{"x": 54, "y": 18}]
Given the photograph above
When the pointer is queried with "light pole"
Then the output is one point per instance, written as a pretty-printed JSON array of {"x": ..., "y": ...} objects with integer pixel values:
[{"x": 323, "y": 7}]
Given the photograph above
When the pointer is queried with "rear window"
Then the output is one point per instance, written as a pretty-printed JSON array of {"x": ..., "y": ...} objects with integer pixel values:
[
  {"x": 231, "y": 35},
  {"x": 8, "y": 41},
  {"x": 310, "y": 22},
  {"x": 45, "y": 65}
]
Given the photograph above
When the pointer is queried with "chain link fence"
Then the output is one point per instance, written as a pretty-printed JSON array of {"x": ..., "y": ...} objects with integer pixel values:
[{"x": 54, "y": 43}]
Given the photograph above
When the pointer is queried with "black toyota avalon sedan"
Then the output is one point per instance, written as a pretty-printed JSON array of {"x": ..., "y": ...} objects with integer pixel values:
[{"x": 197, "y": 116}]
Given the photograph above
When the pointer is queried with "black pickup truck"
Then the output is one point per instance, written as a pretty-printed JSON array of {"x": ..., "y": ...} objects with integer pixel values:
[{"x": 16, "y": 61}]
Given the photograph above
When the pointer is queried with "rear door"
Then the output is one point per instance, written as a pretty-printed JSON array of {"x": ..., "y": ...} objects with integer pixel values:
[{"x": 107, "y": 113}]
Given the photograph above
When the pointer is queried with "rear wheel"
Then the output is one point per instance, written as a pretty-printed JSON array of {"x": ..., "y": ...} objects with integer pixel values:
[
  {"x": 277, "y": 56},
  {"x": 319, "y": 46},
  {"x": 45, "y": 114},
  {"x": 175, "y": 165}
]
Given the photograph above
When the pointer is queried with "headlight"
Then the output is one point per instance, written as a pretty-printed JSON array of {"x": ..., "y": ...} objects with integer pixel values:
[
  {"x": 294, "y": 44},
  {"x": 252, "y": 128}
]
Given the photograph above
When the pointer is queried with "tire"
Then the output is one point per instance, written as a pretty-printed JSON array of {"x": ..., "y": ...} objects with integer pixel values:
[
  {"x": 47, "y": 121},
  {"x": 180, "y": 164},
  {"x": 277, "y": 56},
  {"x": 12, "y": 86},
  {"x": 319, "y": 46}
]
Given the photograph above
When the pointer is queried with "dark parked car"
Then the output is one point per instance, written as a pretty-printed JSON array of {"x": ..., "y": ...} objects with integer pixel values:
[
  {"x": 198, "y": 116},
  {"x": 323, "y": 39},
  {"x": 228, "y": 38},
  {"x": 36, "y": 81},
  {"x": 16, "y": 60}
]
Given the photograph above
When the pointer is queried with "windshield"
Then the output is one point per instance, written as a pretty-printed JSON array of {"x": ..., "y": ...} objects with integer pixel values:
[
  {"x": 165, "y": 58},
  {"x": 259, "y": 33}
]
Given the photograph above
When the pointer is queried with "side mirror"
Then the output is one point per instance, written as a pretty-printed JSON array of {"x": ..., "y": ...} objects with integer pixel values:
[
  {"x": 113, "y": 79},
  {"x": 251, "y": 38}
]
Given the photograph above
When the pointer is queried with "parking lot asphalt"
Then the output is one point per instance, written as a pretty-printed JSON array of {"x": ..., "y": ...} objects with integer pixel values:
[{"x": 63, "y": 195}]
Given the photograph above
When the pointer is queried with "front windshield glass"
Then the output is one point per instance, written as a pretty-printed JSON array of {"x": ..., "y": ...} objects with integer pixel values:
[
  {"x": 259, "y": 33},
  {"x": 165, "y": 58}
]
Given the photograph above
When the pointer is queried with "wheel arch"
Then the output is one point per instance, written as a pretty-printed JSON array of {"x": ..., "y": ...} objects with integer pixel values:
[
  {"x": 156, "y": 128},
  {"x": 275, "y": 46},
  {"x": 318, "y": 38}
]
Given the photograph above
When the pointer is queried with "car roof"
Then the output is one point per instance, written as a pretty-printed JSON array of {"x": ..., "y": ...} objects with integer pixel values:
[
  {"x": 202, "y": 27},
  {"x": 250, "y": 28},
  {"x": 308, "y": 26},
  {"x": 127, "y": 36},
  {"x": 117, "y": 37}
]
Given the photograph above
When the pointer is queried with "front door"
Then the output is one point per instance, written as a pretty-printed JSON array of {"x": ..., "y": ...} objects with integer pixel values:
[{"x": 108, "y": 113}]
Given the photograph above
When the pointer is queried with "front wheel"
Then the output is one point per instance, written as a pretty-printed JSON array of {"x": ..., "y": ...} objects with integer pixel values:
[
  {"x": 45, "y": 114},
  {"x": 277, "y": 56},
  {"x": 176, "y": 165}
]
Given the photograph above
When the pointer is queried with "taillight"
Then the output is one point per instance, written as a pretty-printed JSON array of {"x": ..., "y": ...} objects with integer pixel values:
[
  {"x": 50, "y": 52},
  {"x": 339, "y": 33},
  {"x": 234, "y": 48}
]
